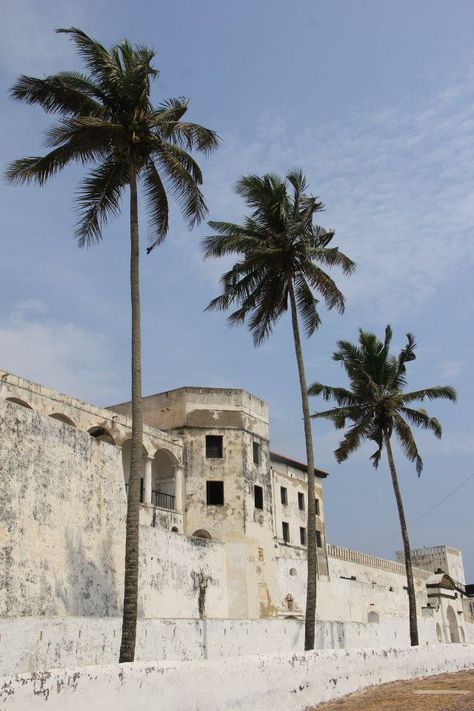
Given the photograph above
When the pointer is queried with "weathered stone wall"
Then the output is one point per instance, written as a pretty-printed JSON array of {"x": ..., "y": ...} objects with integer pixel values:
[
  {"x": 252, "y": 683},
  {"x": 62, "y": 518},
  {"x": 62, "y": 531}
]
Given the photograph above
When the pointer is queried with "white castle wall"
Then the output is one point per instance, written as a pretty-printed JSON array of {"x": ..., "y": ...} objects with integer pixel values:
[
  {"x": 62, "y": 527},
  {"x": 252, "y": 683}
]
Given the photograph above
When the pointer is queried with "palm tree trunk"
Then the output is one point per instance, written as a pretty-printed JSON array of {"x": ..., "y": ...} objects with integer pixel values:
[
  {"x": 312, "y": 552},
  {"x": 406, "y": 545},
  {"x": 130, "y": 599}
]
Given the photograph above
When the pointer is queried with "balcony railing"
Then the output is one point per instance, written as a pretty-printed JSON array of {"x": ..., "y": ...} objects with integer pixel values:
[{"x": 163, "y": 501}]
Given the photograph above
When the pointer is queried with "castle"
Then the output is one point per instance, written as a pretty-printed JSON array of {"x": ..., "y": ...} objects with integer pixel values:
[{"x": 222, "y": 538}]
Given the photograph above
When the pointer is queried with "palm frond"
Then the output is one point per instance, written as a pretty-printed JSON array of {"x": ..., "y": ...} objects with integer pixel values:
[
  {"x": 407, "y": 442},
  {"x": 341, "y": 396},
  {"x": 421, "y": 418},
  {"x": 64, "y": 93},
  {"x": 439, "y": 392},
  {"x": 98, "y": 199},
  {"x": 157, "y": 205}
]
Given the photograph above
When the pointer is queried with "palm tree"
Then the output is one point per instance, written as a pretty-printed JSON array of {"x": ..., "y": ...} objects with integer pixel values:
[
  {"x": 107, "y": 119},
  {"x": 279, "y": 252},
  {"x": 377, "y": 406}
]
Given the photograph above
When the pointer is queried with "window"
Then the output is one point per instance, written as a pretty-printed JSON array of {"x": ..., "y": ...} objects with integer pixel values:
[
  {"x": 284, "y": 495},
  {"x": 300, "y": 501},
  {"x": 256, "y": 452},
  {"x": 258, "y": 496},
  {"x": 316, "y": 506},
  {"x": 215, "y": 493},
  {"x": 285, "y": 527},
  {"x": 302, "y": 536},
  {"x": 318, "y": 539},
  {"x": 214, "y": 446}
]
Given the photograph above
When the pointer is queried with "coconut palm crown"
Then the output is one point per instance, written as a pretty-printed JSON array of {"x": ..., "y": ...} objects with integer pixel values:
[
  {"x": 281, "y": 256},
  {"x": 376, "y": 406},
  {"x": 376, "y": 403},
  {"x": 280, "y": 250},
  {"x": 106, "y": 118}
]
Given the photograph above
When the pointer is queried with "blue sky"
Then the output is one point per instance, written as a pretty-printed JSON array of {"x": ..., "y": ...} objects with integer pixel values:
[{"x": 375, "y": 102}]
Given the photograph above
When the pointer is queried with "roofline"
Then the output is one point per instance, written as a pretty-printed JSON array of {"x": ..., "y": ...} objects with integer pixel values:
[
  {"x": 192, "y": 388},
  {"x": 297, "y": 464}
]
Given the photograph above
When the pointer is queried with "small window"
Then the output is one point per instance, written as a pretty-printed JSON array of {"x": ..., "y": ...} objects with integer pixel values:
[
  {"x": 300, "y": 501},
  {"x": 214, "y": 446},
  {"x": 284, "y": 495},
  {"x": 258, "y": 496},
  {"x": 302, "y": 536},
  {"x": 316, "y": 506},
  {"x": 319, "y": 539},
  {"x": 285, "y": 527},
  {"x": 256, "y": 452},
  {"x": 215, "y": 493}
]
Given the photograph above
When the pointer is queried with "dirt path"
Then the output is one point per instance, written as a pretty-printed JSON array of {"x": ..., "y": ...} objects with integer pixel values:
[{"x": 448, "y": 692}]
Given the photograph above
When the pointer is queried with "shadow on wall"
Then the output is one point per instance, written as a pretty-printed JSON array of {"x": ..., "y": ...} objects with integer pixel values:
[{"x": 90, "y": 585}]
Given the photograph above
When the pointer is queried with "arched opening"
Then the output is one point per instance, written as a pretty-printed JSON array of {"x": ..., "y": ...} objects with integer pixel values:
[
  {"x": 439, "y": 634},
  {"x": 163, "y": 485},
  {"x": 101, "y": 435},
  {"x": 373, "y": 617},
  {"x": 17, "y": 401},
  {"x": 201, "y": 533},
  {"x": 293, "y": 571},
  {"x": 453, "y": 625},
  {"x": 463, "y": 637},
  {"x": 175, "y": 529},
  {"x": 62, "y": 418},
  {"x": 126, "y": 461}
]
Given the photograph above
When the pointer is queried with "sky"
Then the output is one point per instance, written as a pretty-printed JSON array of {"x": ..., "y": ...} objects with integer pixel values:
[{"x": 374, "y": 101}]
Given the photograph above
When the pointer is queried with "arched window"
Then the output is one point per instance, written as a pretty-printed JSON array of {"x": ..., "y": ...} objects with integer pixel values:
[
  {"x": 439, "y": 634},
  {"x": 201, "y": 533},
  {"x": 17, "y": 401},
  {"x": 453, "y": 625},
  {"x": 101, "y": 435},
  {"x": 163, "y": 485},
  {"x": 293, "y": 571},
  {"x": 62, "y": 418}
]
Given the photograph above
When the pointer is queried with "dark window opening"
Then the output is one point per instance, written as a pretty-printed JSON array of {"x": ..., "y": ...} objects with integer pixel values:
[
  {"x": 256, "y": 452},
  {"x": 345, "y": 577},
  {"x": 284, "y": 495},
  {"x": 215, "y": 493},
  {"x": 214, "y": 447},
  {"x": 142, "y": 491},
  {"x": 302, "y": 536},
  {"x": 316, "y": 506},
  {"x": 300, "y": 501},
  {"x": 319, "y": 539},
  {"x": 258, "y": 496},
  {"x": 285, "y": 527}
]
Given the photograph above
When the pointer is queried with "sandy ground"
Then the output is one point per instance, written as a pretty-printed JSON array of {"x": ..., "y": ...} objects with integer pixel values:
[{"x": 405, "y": 696}]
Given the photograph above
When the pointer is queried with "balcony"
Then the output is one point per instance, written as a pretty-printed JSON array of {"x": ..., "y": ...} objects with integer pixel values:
[
  {"x": 162, "y": 501},
  {"x": 158, "y": 498}
]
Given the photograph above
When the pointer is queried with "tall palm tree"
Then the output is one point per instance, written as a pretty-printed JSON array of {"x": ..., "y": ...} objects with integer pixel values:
[
  {"x": 280, "y": 258},
  {"x": 106, "y": 118},
  {"x": 377, "y": 406}
]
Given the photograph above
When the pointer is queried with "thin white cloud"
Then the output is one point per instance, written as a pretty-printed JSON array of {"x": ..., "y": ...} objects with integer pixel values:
[
  {"x": 59, "y": 354},
  {"x": 397, "y": 183}
]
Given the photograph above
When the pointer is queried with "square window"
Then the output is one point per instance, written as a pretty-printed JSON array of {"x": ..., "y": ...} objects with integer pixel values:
[
  {"x": 215, "y": 493},
  {"x": 319, "y": 539},
  {"x": 258, "y": 496},
  {"x": 300, "y": 501},
  {"x": 284, "y": 495},
  {"x": 316, "y": 506},
  {"x": 214, "y": 446},
  {"x": 285, "y": 527},
  {"x": 302, "y": 536},
  {"x": 256, "y": 452}
]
